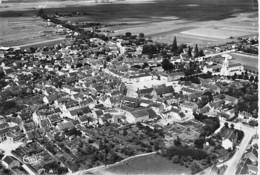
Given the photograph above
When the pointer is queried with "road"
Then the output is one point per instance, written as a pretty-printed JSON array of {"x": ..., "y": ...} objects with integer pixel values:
[{"x": 234, "y": 161}]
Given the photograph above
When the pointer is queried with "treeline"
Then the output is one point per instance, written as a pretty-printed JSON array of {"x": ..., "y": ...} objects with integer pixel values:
[
  {"x": 75, "y": 28},
  {"x": 182, "y": 151}
]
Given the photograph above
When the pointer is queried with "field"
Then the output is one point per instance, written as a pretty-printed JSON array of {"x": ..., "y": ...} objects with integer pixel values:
[
  {"x": 250, "y": 62},
  {"x": 199, "y": 22},
  {"x": 25, "y": 31},
  {"x": 151, "y": 164}
]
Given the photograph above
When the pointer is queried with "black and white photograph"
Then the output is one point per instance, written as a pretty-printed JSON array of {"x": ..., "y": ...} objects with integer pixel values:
[{"x": 129, "y": 87}]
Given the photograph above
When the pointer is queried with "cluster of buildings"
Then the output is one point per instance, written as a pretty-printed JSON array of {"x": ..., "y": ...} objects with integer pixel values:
[
  {"x": 84, "y": 84},
  {"x": 249, "y": 162}
]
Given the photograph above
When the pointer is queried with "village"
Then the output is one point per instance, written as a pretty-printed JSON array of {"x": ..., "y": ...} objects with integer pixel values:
[{"x": 96, "y": 100}]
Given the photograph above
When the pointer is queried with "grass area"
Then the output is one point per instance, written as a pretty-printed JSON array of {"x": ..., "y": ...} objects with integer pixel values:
[
  {"x": 151, "y": 164},
  {"x": 250, "y": 62}
]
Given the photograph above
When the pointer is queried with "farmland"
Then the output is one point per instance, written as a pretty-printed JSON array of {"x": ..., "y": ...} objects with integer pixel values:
[
  {"x": 25, "y": 31},
  {"x": 201, "y": 22}
]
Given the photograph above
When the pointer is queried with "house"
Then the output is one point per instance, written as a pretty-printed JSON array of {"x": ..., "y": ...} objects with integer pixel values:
[
  {"x": 229, "y": 138},
  {"x": 138, "y": 116},
  {"x": 230, "y": 100},
  {"x": 14, "y": 136},
  {"x": 10, "y": 162},
  {"x": 143, "y": 92},
  {"x": 152, "y": 114},
  {"x": 163, "y": 91},
  {"x": 65, "y": 125},
  {"x": 3, "y": 134},
  {"x": 188, "y": 107},
  {"x": 54, "y": 119},
  {"x": 141, "y": 78},
  {"x": 157, "y": 107},
  {"x": 50, "y": 98},
  {"x": 27, "y": 127},
  {"x": 211, "y": 87}
]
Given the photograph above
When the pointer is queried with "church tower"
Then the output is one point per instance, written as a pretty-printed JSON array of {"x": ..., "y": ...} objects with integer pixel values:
[{"x": 224, "y": 70}]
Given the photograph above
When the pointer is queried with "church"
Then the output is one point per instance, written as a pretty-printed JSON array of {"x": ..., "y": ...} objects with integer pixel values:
[{"x": 229, "y": 69}]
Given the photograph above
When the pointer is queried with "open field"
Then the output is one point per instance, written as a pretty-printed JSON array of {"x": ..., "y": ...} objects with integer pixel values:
[
  {"x": 249, "y": 61},
  {"x": 24, "y": 31},
  {"x": 218, "y": 33},
  {"x": 192, "y": 21},
  {"x": 151, "y": 164}
]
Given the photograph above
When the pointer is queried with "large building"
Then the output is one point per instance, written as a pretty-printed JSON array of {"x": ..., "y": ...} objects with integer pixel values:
[{"x": 231, "y": 68}]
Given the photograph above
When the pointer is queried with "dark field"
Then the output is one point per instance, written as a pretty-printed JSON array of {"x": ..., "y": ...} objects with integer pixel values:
[
  {"x": 191, "y": 21},
  {"x": 199, "y": 10}
]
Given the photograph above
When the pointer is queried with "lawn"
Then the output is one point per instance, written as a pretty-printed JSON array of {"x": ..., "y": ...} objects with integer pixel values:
[{"x": 151, "y": 164}]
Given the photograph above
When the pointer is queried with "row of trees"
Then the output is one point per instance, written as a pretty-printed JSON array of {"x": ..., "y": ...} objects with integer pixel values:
[
  {"x": 185, "y": 152},
  {"x": 191, "y": 52},
  {"x": 244, "y": 76}
]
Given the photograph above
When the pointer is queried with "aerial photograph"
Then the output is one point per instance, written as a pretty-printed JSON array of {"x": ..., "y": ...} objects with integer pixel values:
[{"x": 129, "y": 87}]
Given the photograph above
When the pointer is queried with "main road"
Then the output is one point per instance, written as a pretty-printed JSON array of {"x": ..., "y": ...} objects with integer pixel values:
[{"x": 234, "y": 161}]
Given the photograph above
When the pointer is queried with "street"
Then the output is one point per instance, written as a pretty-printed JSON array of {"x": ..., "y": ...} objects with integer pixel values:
[{"x": 234, "y": 161}]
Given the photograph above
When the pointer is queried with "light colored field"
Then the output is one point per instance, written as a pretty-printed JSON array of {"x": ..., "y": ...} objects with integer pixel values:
[
  {"x": 23, "y": 31},
  {"x": 250, "y": 62},
  {"x": 218, "y": 33},
  {"x": 151, "y": 164}
]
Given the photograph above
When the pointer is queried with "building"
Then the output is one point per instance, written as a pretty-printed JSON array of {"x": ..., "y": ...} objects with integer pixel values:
[
  {"x": 229, "y": 138},
  {"x": 10, "y": 162},
  {"x": 138, "y": 116},
  {"x": 231, "y": 68}
]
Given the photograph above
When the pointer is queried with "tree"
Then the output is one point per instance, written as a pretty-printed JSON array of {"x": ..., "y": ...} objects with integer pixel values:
[
  {"x": 189, "y": 51},
  {"x": 177, "y": 141},
  {"x": 196, "y": 51},
  {"x": 256, "y": 79},
  {"x": 174, "y": 45},
  {"x": 198, "y": 143},
  {"x": 141, "y": 35},
  {"x": 201, "y": 53},
  {"x": 234, "y": 76},
  {"x": 128, "y": 34},
  {"x": 145, "y": 65},
  {"x": 251, "y": 78},
  {"x": 180, "y": 49},
  {"x": 167, "y": 65},
  {"x": 176, "y": 159},
  {"x": 226, "y": 124}
]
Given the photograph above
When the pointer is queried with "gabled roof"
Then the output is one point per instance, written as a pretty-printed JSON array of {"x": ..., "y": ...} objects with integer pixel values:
[
  {"x": 228, "y": 133},
  {"x": 140, "y": 113},
  {"x": 152, "y": 114},
  {"x": 145, "y": 91},
  {"x": 165, "y": 90},
  {"x": 66, "y": 125}
]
